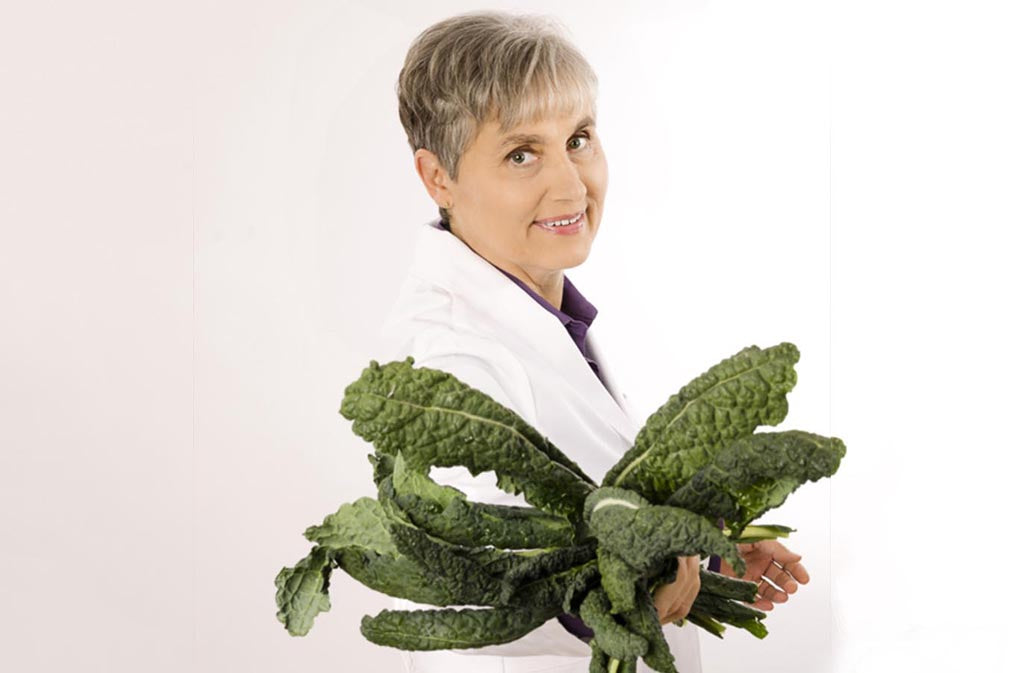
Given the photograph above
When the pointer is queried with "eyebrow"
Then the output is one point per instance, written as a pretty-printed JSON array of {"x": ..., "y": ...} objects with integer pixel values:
[{"x": 532, "y": 139}]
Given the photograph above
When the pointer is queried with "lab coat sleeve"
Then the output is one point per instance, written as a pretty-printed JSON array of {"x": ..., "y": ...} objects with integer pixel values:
[{"x": 551, "y": 638}]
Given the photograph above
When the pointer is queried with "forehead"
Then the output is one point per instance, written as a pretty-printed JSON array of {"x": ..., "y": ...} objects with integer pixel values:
[{"x": 539, "y": 131}]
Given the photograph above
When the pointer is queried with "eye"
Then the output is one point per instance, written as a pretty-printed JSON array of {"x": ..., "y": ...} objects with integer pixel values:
[
  {"x": 584, "y": 134},
  {"x": 524, "y": 151},
  {"x": 517, "y": 153}
]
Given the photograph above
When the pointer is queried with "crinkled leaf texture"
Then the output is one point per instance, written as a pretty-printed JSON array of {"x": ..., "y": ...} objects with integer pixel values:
[
  {"x": 457, "y": 570},
  {"x": 398, "y": 577},
  {"x": 596, "y": 552},
  {"x": 613, "y": 638},
  {"x": 724, "y": 403},
  {"x": 618, "y": 579},
  {"x": 436, "y": 420},
  {"x": 302, "y": 591},
  {"x": 359, "y": 538},
  {"x": 643, "y": 620},
  {"x": 450, "y": 628},
  {"x": 445, "y": 512},
  {"x": 645, "y": 535},
  {"x": 360, "y": 524},
  {"x": 727, "y": 587},
  {"x": 757, "y": 473},
  {"x": 548, "y": 578},
  {"x": 407, "y": 481}
]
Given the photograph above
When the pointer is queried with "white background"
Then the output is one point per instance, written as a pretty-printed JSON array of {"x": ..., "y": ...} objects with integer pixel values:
[{"x": 207, "y": 208}]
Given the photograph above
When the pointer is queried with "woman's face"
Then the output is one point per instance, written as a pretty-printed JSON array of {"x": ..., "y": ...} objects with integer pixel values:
[{"x": 542, "y": 170}]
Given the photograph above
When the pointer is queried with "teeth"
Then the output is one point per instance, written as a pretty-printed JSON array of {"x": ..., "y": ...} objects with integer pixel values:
[{"x": 562, "y": 223}]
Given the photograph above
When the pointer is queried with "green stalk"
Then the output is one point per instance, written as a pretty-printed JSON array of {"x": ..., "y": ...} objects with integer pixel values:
[
  {"x": 755, "y": 533},
  {"x": 613, "y": 665}
]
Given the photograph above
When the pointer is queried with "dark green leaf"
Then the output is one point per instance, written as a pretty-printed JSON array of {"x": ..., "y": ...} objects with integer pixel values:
[
  {"x": 456, "y": 570},
  {"x": 727, "y": 587},
  {"x": 731, "y": 612},
  {"x": 448, "y": 628},
  {"x": 644, "y": 536},
  {"x": 698, "y": 618},
  {"x": 436, "y": 420},
  {"x": 536, "y": 565},
  {"x": 444, "y": 512},
  {"x": 394, "y": 576},
  {"x": 757, "y": 473},
  {"x": 612, "y": 637},
  {"x": 728, "y": 401},
  {"x": 618, "y": 579},
  {"x": 553, "y": 589},
  {"x": 643, "y": 620},
  {"x": 598, "y": 658},
  {"x": 578, "y": 584}
]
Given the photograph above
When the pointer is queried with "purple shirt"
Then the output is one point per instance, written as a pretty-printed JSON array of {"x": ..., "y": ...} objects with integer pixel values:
[{"x": 577, "y": 314}]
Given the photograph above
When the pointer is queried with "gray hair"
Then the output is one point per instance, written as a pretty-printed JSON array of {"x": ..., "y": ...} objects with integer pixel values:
[{"x": 488, "y": 65}]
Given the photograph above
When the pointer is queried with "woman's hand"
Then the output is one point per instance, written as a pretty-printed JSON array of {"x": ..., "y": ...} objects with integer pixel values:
[
  {"x": 673, "y": 600},
  {"x": 769, "y": 562}
]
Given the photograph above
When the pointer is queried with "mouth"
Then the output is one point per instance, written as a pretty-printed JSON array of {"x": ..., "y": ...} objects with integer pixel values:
[
  {"x": 568, "y": 218},
  {"x": 563, "y": 224}
]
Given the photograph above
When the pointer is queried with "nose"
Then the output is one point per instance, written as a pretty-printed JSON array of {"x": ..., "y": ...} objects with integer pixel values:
[{"x": 566, "y": 184}]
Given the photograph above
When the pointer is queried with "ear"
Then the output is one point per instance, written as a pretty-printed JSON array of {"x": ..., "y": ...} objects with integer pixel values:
[{"x": 433, "y": 176}]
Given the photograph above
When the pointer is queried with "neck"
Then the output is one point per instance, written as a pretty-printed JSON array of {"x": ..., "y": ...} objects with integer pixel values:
[{"x": 548, "y": 285}]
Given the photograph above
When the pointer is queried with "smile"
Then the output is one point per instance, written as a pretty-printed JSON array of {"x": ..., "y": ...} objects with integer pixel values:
[
  {"x": 565, "y": 227},
  {"x": 564, "y": 221}
]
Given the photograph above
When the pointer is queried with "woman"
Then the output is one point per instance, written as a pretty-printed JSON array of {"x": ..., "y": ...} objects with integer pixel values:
[{"x": 500, "y": 113}]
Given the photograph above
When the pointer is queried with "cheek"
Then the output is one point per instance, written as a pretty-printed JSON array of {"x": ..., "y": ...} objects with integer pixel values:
[{"x": 597, "y": 177}]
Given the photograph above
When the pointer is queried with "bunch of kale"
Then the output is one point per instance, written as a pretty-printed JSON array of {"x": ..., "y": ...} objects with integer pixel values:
[{"x": 594, "y": 551}]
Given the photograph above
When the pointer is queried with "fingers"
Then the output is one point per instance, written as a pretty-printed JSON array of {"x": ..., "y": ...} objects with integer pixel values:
[
  {"x": 779, "y": 552},
  {"x": 776, "y": 569},
  {"x": 675, "y": 616},
  {"x": 667, "y": 596},
  {"x": 780, "y": 578},
  {"x": 788, "y": 561},
  {"x": 776, "y": 585},
  {"x": 685, "y": 589},
  {"x": 769, "y": 594},
  {"x": 797, "y": 570},
  {"x": 773, "y": 551}
]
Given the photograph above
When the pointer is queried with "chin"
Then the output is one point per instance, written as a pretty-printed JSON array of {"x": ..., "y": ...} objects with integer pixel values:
[{"x": 575, "y": 260}]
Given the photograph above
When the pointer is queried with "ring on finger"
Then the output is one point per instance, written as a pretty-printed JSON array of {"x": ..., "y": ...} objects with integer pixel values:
[
  {"x": 765, "y": 588},
  {"x": 779, "y": 576}
]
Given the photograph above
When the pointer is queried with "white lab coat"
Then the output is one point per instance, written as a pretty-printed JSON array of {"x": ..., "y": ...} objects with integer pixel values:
[{"x": 458, "y": 313}]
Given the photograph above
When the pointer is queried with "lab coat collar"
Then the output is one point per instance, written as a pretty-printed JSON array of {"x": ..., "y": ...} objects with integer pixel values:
[{"x": 513, "y": 316}]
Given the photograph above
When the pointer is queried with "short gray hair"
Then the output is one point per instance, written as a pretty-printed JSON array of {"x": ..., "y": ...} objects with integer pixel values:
[{"x": 488, "y": 65}]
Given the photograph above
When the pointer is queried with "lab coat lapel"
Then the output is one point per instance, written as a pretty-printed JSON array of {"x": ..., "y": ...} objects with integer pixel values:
[
  {"x": 605, "y": 397},
  {"x": 489, "y": 296},
  {"x": 596, "y": 351}
]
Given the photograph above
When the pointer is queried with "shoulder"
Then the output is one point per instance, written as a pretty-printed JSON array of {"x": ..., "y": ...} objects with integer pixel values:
[
  {"x": 486, "y": 365},
  {"x": 439, "y": 331}
]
